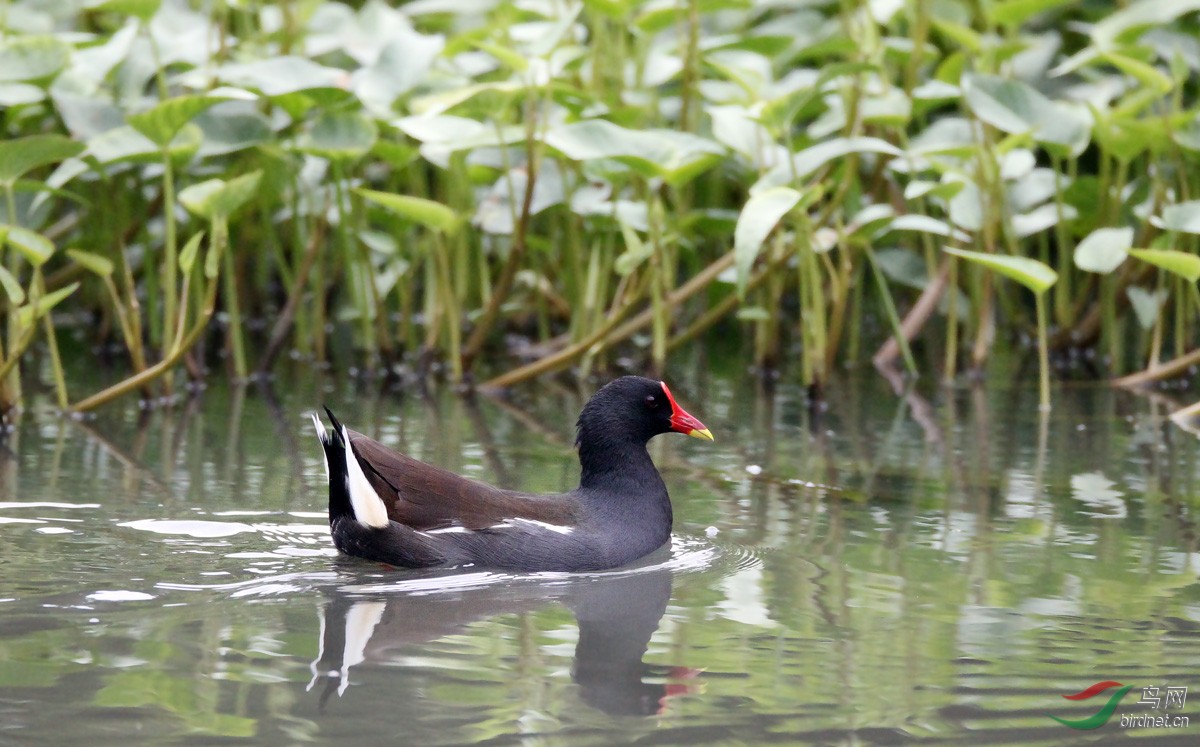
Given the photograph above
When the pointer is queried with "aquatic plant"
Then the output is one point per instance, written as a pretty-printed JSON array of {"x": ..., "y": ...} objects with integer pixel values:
[{"x": 600, "y": 178}]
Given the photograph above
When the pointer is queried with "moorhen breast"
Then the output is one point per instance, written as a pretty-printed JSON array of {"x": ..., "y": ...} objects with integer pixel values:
[{"x": 391, "y": 508}]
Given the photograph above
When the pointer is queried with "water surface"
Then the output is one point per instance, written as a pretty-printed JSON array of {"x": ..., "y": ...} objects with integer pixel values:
[{"x": 941, "y": 566}]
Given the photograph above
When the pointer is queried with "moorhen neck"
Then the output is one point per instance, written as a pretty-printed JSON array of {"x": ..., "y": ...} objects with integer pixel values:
[{"x": 391, "y": 508}]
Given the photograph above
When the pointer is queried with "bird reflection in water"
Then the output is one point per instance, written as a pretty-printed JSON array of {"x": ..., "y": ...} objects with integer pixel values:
[{"x": 617, "y": 614}]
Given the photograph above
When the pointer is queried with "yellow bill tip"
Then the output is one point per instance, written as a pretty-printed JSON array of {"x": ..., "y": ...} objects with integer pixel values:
[{"x": 702, "y": 433}]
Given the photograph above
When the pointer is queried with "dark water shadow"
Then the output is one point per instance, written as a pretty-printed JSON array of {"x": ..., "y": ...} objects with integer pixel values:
[{"x": 617, "y": 614}]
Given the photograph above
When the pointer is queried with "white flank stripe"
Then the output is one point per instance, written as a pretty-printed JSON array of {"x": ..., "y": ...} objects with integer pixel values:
[
  {"x": 368, "y": 507},
  {"x": 323, "y": 437},
  {"x": 449, "y": 530},
  {"x": 515, "y": 523}
]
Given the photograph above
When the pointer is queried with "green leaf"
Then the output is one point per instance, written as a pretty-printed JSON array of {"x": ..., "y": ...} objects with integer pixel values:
[
  {"x": 758, "y": 218},
  {"x": 162, "y": 122},
  {"x": 141, "y": 9},
  {"x": 30, "y": 313},
  {"x": 1146, "y": 304},
  {"x": 1030, "y": 273},
  {"x": 1135, "y": 17},
  {"x": 217, "y": 199},
  {"x": 964, "y": 36},
  {"x": 1103, "y": 250},
  {"x": 813, "y": 158},
  {"x": 20, "y": 156},
  {"x": 36, "y": 247},
  {"x": 1016, "y": 12},
  {"x": 924, "y": 224},
  {"x": 1014, "y": 107},
  {"x": 1147, "y": 74},
  {"x": 229, "y": 130},
  {"x": 340, "y": 136},
  {"x": 1183, "y": 264},
  {"x": 753, "y": 314},
  {"x": 12, "y": 288},
  {"x": 32, "y": 58},
  {"x": 509, "y": 57},
  {"x": 101, "y": 266},
  {"x": 278, "y": 76},
  {"x": 651, "y": 152},
  {"x": 417, "y": 209},
  {"x": 1182, "y": 216},
  {"x": 636, "y": 251},
  {"x": 187, "y": 255}
]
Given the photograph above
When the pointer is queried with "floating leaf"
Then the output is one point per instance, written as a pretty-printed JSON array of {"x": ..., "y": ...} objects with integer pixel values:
[
  {"x": 417, "y": 209},
  {"x": 22, "y": 155},
  {"x": 1103, "y": 250},
  {"x": 758, "y": 218},
  {"x": 1186, "y": 266},
  {"x": 101, "y": 266},
  {"x": 1030, "y": 273}
]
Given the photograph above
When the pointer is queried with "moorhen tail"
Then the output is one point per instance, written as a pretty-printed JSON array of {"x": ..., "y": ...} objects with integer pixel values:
[{"x": 391, "y": 508}]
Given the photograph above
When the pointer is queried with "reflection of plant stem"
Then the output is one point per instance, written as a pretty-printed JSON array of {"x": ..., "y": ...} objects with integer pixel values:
[
  {"x": 1043, "y": 353},
  {"x": 171, "y": 259},
  {"x": 893, "y": 317}
]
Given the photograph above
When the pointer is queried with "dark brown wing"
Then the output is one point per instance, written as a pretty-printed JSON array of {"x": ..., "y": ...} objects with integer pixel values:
[{"x": 424, "y": 497}]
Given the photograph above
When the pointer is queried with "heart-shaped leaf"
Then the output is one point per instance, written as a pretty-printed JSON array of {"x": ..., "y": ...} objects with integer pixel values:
[
  {"x": 1103, "y": 250},
  {"x": 217, "y": 199},
  {"x": 162, "y": 122}
]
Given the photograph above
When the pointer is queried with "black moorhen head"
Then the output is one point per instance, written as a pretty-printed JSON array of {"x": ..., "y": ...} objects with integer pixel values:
[{"x": 391, "y": 508}]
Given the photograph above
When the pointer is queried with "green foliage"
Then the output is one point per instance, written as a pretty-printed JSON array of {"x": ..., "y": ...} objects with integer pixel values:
[{"x": 576, "y": 165}]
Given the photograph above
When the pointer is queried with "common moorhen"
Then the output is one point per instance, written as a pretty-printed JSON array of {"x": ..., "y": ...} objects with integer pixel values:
[{"x": 391, "y": 508}]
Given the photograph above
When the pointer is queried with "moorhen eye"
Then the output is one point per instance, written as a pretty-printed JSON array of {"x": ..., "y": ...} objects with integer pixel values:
[{"x": 651, "y": 402}]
